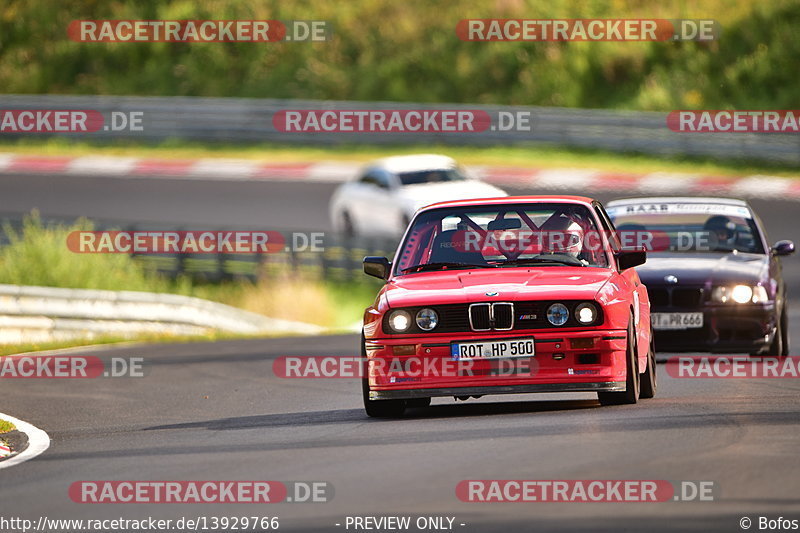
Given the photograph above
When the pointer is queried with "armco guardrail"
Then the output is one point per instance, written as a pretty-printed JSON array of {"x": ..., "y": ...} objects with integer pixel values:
[
  {"x": 250, "y": 120},
  {"x": 36, "y": 314}
]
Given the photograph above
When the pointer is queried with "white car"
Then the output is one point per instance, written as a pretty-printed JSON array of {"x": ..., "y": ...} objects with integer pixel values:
[{"x": 387, "y": 192}]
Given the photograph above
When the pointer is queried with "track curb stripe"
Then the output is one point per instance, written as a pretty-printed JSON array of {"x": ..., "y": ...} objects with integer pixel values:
[
  {"x": 38, "y": 442},
  {"x": 223, "y": 169}
]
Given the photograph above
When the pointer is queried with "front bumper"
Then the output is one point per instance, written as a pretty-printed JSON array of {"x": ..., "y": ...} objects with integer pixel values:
[
  {"x": 408, "y": 394},
  {"x": 726, "y": 329},
  {"x": 564, "y": 361}
]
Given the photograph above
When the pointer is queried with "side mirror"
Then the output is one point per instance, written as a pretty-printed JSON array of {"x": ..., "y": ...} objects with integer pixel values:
[
  {"x": 378, "y": 267},
  {"x": 630, "y": 258},
  {"x": 783, "y": 248}
]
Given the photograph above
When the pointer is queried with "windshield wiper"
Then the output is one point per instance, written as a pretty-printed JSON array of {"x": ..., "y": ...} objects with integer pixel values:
[
  {"x": 562, "y": 260},
  {"x": 436, "y": 266}
]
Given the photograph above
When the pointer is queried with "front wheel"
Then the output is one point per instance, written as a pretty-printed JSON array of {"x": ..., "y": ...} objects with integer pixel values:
[
  {"x": 648, "y": 377},
  {"x": 785, "y": 331},
  {"x": 779, "y": 346},
  {"x": 632, "y": 383}
]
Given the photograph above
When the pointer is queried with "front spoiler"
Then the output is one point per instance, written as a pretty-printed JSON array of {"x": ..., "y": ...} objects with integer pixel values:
[{"x": 408, "y": 394}]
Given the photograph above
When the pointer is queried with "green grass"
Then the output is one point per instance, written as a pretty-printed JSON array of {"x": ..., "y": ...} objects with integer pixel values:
[
  {"x": 6, "y": 426},
  {"x": 38, "y": 255},
  {"x": 530, "y": 156}
]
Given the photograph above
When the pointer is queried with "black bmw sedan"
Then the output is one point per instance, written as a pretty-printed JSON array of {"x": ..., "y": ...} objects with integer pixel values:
[{"x": 714, "y": 282}]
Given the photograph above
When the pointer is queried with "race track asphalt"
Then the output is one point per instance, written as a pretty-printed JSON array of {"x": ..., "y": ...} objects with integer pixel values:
[{"x": 215, "y": 411}]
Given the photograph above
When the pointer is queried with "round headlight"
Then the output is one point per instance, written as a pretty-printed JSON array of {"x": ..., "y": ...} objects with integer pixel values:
[
  {"x": 427, "y": 319},
  {"x": 742, "y": 294},
  {"x": 557, "y": 314},
  {"x": 586, "y": 313},
  {"x": 400, "y": 320}
]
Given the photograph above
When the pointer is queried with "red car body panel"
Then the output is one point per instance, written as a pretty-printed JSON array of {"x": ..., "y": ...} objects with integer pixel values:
[{"x": 565, "y": 356}]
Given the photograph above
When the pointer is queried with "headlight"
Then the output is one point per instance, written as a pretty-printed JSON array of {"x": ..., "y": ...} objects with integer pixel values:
[
  {"x": 740, "y": 294},
  {"x": 427, "y": 319},
  {"x": 399, "y": 320},
  {"x": 586, "y": 313},
  {"x": 557, "y": 314}
]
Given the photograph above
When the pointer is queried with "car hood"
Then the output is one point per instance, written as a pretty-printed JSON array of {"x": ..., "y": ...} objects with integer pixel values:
[
  {"x": 511, "y": 284},
  {"x": 417, "y": 196},
  {"x": 700, "y": 269}
]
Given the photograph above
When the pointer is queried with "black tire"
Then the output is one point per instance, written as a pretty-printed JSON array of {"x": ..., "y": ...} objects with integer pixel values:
[
  {"x": 347, "y": 225},
  {"x": 777, "y": 349},
  {"x": 378, "y": 408},
  {"x": 632, "y": 384},
  {"x": 418, "y": 403},
  {"x": 785, "y": 331},
  {"x": 649, "y": 383}
]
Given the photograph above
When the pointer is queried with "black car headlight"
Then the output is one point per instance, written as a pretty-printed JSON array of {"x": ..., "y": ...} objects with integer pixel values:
[
  {"x": 739, "y": 294},
  {"x": 427, "y": 319},
  {"x": 586, "y": 313},
  {"x": 399, "y": 320}
]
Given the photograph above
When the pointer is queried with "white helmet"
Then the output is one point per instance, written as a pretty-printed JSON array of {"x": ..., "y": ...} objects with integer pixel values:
[{"x": 562, "y": 235}]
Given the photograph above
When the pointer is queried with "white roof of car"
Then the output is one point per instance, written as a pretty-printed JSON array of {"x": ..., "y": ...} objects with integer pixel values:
[
  {"x": 412, "y": 163},
  {"x": 677, "y": 200}
]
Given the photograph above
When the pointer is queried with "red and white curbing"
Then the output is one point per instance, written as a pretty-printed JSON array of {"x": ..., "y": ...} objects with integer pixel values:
[
  {"x": 758, "y": 186},
  {"x": 38, "y": 442}
]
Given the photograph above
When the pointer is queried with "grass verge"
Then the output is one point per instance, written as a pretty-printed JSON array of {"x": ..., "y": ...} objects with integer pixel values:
[
  {"x": 37, "y": 255},
  {"x": 522, "y": 155}
]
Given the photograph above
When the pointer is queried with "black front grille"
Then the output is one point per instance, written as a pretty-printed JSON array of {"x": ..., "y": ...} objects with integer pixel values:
[
  {"x": 677, "y": 297},
  {"x": 686, "y": 297},
  {"x": 503, "y": 316},
  {"x": 452, "y": 318},
  {"x": 658, "y": 297},
  {"x": 479, "y": 317},
  {"x": 491, "y": 316}
]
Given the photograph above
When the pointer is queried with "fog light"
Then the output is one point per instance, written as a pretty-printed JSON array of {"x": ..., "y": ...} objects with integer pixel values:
[{"x": 558, "y": 356}]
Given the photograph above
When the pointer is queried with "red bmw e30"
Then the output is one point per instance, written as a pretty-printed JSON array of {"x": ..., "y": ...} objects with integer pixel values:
[{"x": 503, "y": 296}]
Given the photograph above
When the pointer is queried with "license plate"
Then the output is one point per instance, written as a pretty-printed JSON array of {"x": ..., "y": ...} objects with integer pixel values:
[
  {"x": 461, "y": 351},
  {"x": 677, "y": 320}
]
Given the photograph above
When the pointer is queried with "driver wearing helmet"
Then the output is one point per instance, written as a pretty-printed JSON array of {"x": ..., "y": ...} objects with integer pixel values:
[
  {"x": 722, "y": 232},
  {"x": 563, "y": 235}
]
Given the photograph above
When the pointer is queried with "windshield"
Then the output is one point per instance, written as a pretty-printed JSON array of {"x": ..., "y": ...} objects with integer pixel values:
[
  {"x": 688, "y": 227},
  {"x": 431, "y": 176},
  {"x": 497, "y": 236}
]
